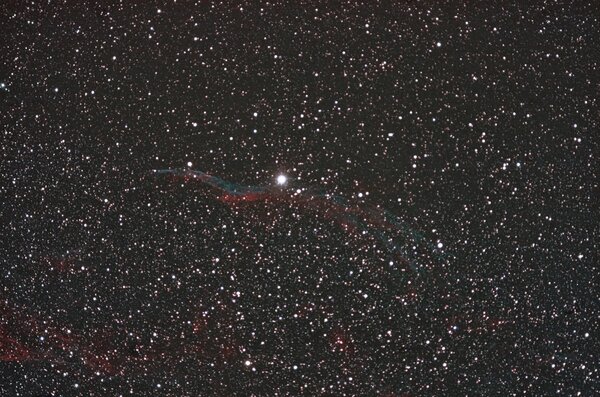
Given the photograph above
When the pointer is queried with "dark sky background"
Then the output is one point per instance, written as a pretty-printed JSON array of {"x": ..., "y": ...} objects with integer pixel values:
[{"x": 476, "y": 126}]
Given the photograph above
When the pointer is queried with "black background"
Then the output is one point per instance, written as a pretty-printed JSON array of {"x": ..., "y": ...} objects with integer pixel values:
[{"x": 486, "y": 142}]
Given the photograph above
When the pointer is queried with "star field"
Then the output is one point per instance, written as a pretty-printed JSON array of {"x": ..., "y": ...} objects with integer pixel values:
[{"x": 299, "y": 198}]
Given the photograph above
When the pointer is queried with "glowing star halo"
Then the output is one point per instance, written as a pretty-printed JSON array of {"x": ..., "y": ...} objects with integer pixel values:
[{"x": 281, "y": 179}]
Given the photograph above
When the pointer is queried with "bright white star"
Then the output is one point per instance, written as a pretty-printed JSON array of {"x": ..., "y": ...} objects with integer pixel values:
[{"x": 281, "y": 179}]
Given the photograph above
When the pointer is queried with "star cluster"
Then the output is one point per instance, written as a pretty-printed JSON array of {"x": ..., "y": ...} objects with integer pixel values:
[{"x": 473, "y": 127}]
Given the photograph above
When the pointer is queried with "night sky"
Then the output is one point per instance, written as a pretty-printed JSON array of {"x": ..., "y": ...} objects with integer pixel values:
[{"x": 299, "y": 199}]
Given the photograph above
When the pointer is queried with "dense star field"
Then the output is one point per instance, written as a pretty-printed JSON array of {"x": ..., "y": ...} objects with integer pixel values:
[{"x": 299, "y": 199}]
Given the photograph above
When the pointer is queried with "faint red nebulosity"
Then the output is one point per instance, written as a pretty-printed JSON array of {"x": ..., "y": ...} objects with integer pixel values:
[
  {"x": 199, "y": 325},
  {"x": 341, "y": 341},
  {"x": 11, "y": 349},
  {"x": 100, "y": 362},
  {"x": 57, "y": 341},
  {"x": 64, "y": 340},
  {"x": 411, "y": 294},
  {"x": 228, "y": 350},
  {"x": 494, "y": 324},
  {"x": 62, "y": 264},
  {"x": 98, "y": 350},
  {"x": 243, "y": 198},
  {"x": 353, "y": 216}
]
